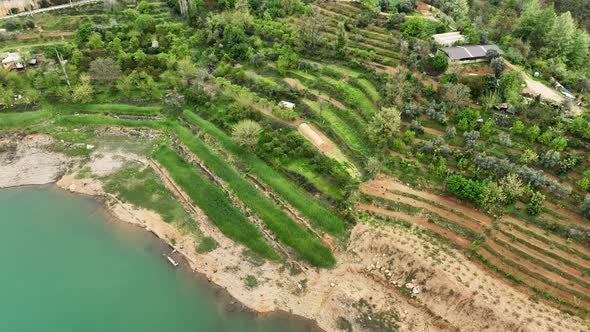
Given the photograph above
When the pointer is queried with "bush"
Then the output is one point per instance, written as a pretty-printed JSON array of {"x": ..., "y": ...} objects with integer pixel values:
[
  {"x": 207, "y": 244},
  {"x": 535, "y": 205},
  {"x": 465, "y": 188},
  {"x": 585, "y": 207},
  {"x": 11, "y": 25}
]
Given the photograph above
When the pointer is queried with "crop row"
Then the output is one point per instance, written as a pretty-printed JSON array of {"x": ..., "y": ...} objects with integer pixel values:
[
  {"x": 542, "y": 263},
  {"x": 214, "y": 202},
  {"x": 318, "y": 214},
  {"x": 285, "y": 228},
  {"x": 534, "y": 275}
]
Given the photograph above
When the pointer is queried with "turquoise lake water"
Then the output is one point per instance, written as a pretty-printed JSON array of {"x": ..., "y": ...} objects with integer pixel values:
[{"x": 66, "y": 268}]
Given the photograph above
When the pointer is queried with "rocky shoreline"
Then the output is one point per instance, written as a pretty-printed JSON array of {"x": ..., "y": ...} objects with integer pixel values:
[{"x": 366, "y": 291}]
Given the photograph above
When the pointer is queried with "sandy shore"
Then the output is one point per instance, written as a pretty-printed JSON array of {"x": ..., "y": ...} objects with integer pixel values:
[{"x": 385, "y": 275}]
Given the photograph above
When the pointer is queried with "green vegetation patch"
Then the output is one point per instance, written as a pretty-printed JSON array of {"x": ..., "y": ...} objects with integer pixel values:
[
  {"x": 108, "y": 109},
  {"x": 207, "y": 244},
  {"x": 285, "y": 228},
  {"x": 22, "y": 120},
  {"x": 215, "y": 203},
  {"x": 310, "y": 208},
  {"x": 143, "y": 188}
]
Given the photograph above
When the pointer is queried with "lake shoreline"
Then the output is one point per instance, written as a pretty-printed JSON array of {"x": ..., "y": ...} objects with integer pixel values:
[
  {"x": 230, "y": 303},
  {"x": 370, "y": 279}
]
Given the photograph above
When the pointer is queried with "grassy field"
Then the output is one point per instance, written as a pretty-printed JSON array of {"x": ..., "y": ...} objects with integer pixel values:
[
  {"x": 100, "y": 120},
  {"x": 23, "y": 120},
  {"x": 215, "y": 203},
  {"x": 285, "y": 228},
  {"x": 338, "y": 122},
  {"x": 309, "y": 208},
  {"x": 107, "y": 109},
  {"x": 143, "y": 188}
]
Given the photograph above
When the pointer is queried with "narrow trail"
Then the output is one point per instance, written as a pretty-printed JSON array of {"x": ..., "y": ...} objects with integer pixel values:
[
  {"x": 550, "y": 236},
  {"x": 568, "y": 287}
]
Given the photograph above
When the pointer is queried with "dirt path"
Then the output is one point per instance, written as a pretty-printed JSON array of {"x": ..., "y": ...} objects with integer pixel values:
[
  {"x": 537, "y": 88},
  {"x": 572, "y": 216},
  {"x": 527, "y": 280},
  {"x": 433, "y": 131},
  {"x": 324, "y": 144},
  {"x": 545, "y": 234},
  {"x": 296, "y": 84}
]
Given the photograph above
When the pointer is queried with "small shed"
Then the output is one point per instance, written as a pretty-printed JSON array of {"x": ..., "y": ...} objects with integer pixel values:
[
  {"x": 12, "y": 60},
  {"x": 469, "y": 53},
  {"x": 449, "y": 38},
  {"x": 286, "y": 105}
]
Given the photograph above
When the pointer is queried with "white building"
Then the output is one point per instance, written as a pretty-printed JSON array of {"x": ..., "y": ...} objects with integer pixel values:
[
  {"x": 286, "y": 105},
  {"x": 449, "y": 38}
]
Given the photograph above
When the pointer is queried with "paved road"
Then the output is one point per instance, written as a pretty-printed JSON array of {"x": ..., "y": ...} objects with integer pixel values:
[{"x": 42, "y": 10}]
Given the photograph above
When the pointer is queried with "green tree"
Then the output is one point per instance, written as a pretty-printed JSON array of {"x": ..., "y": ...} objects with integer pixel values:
[
  {"x": 458, "y": 95},
  {"x": 561, "y": 37},
  {"x": 498, "y": 66},
  {"x": 585, "y": 207},
  {"x": 341, "y": 42},
  {"x": 528, "y": 156},
  {"x": 95, "y": 41},
  {"x": 512, "y": 187},
  {"x": 535, "y": 206},
  {"x": 493, "y": 199},
  {"x": 82, "y": 92},
  {"x": 385, "y": 125},
  {"x": 533, "y": 132},
  {"x": 580, "y": 54},
  {"x": 311, "y": 30},
  {"x": 246, "y": 133},
  {"x": 534, "y": 23},
  {"x": 459, "y": 9},
  {"x": 145, "y": 23},
  {"x": 518, "y": 127},
  {"x": 510, "y": 86},
  {"x": 440, "y": 61}
]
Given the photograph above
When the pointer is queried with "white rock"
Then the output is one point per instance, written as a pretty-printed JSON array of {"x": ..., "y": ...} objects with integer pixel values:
[{"x": 417, "y": 290}]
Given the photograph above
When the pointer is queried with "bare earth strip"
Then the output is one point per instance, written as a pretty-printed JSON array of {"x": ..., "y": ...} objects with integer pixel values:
[{"x": 385, "y": 183}]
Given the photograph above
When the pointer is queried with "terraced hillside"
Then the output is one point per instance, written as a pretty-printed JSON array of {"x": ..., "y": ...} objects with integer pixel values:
[
  {"x": 549, "y": 267},
  {"x": 387, "y": 153}
]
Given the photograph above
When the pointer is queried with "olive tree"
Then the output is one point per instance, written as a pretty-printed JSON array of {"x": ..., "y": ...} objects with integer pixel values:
[{"x": 104, "y": 69}]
